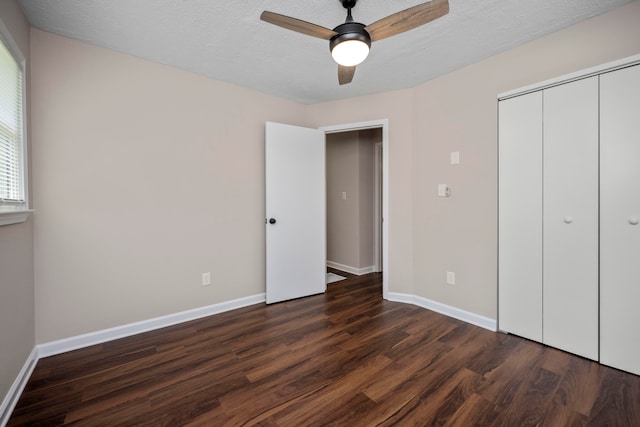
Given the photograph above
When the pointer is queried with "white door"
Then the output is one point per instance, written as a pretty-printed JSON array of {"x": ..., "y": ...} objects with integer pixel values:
[
  {"x": 619, "y": 219},
  {"x": 520, "y": 214},
  {"x": 295, "y": 212},
  {"x": 570, "y": 206}
]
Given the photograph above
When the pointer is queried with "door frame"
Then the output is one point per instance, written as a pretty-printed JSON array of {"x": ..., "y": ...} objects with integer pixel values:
[{"x": 384, "y": 125}]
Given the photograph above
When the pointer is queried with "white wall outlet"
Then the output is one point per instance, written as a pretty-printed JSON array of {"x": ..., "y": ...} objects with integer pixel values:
[
  {"x": 206, "y": 279},
  {"x": 443, "y": 190},
  {"x": 344, "y": 195},
  {"x": 455, "y": 157},
  {"x": 451, "y": 278}
]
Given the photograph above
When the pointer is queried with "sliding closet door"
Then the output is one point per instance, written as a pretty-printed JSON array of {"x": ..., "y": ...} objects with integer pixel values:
[
  {"x": 520, "y": 216},
  {"x": 619, "y": 217},
  {"x": 570, "y": 216}
]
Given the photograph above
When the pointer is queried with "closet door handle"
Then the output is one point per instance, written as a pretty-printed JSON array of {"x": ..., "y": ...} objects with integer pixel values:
[
  {"x": 568, "y": 220},
  {"x": 633, "y": 221}
]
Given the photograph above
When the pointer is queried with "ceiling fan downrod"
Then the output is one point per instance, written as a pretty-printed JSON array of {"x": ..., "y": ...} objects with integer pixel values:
[{"x": 349, "y": 4}]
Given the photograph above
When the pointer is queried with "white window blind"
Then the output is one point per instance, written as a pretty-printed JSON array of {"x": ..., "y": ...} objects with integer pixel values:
[{"x": 11, "y": 130}]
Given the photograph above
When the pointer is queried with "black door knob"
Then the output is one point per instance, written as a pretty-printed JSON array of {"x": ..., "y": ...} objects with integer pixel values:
[{"x": 272, "y": 220}]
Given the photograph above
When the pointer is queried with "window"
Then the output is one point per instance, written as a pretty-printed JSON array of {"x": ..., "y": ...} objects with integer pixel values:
[{"x": 13, "y": 199}]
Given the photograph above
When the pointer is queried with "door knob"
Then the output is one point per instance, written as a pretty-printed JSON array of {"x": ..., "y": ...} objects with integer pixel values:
[
  {"x": 568, "y": 220},
  {"x": 633, "y": 221},
  {"x": 272, "y": 220}
]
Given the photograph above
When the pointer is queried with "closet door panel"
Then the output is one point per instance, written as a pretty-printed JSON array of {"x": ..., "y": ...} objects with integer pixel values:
[
  {"x": 570, "y": 217},
  {"x": 620, "y": 213},
  {"x": 520, "y": 216}
]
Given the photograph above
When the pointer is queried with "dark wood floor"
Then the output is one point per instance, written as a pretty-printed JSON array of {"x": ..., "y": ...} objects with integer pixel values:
[{"x": 346, "y": 358}]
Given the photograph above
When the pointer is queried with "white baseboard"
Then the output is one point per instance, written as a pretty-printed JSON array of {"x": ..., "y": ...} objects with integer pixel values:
[
  {"x": 12, "y": 396},
  {"x": 447, "y": 310},
  {"x": 352, "y": 270},
  {"x": 98, "y": 337}
]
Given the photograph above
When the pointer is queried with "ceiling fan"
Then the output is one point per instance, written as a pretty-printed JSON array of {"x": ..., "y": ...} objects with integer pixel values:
[{"x": 350, "y": 42}]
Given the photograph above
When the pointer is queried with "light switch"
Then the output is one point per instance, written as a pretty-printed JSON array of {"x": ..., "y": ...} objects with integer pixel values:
[
  {"x": 455, "y": 157},
  {"x": 451, "y": 278},
  {"x": 344, "y": 195}
]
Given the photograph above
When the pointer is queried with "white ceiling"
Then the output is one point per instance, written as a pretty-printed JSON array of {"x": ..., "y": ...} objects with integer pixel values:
[{"x": 227, "y": 41}]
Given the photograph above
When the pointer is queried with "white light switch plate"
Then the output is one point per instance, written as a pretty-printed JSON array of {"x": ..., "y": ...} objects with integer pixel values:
[
  {"x": 206, "y": 279},
  {"x": 455, "y": 157},
  {"x": 451, "y": 278}
]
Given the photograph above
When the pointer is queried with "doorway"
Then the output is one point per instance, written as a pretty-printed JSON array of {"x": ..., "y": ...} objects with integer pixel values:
[{"x": 357, "y": 193}]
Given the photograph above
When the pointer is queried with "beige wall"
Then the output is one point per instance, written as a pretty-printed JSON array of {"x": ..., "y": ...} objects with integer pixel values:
[
  {"x": 16, "y": 255},
  {"x": 350, "y": 166},
  {"x": 145, "y": 176},
  {"x": 458, "y": 112},
  {"x": 366, "y": 182},
  {"x": 343, "y": 215}
]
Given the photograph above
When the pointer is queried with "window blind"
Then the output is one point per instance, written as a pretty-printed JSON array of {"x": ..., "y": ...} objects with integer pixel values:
[{"x": 11, "y": 129}]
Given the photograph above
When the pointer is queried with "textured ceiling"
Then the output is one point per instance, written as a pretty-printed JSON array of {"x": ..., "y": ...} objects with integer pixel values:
[{"x": 227, "y": 41}]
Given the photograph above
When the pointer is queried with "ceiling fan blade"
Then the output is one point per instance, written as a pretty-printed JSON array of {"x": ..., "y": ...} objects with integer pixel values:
[
  {"x": 345, "y": 74},
  {"x": 297, "y": 25},
  {"x": 407, "y": 19}
]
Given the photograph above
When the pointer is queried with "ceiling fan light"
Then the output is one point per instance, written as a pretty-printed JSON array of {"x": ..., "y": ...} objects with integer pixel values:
[
  {"x": 350, "y": 46},
  {"x": 350, "y": 53}
]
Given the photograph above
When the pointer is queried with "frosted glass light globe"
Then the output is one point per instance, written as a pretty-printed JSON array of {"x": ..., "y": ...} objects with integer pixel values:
[{"x": 350, "y": 52}]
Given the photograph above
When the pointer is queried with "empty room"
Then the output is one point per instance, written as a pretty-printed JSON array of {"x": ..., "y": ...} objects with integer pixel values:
[{"x": 309, "y": 213}]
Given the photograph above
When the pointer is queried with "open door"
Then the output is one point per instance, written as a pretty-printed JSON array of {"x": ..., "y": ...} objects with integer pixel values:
[{"x": 295, "y": 212}]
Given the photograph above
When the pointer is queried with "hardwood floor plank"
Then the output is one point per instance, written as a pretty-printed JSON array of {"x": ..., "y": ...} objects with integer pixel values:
[
  {"x": 384, "y": 386},
  {"x": 344, "y": 358},
  {"x": 475, "y": 411},
  {"x": 580, "y": 384},
  {"x": 329, "y": 402},
  {"x": 505, "y": 379},
  {"x": 618, "y": 402},
  {"x": 561, "y": 415},
  {"x": 433, "y": 406}
]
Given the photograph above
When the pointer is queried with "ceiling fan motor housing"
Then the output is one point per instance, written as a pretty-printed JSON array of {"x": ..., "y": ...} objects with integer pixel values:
[
  {"x": 349, "y": 4},
  {"x": 349, "y": 31}
]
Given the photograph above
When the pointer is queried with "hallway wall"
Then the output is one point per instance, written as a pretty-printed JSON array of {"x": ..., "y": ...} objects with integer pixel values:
[{"x": 350, "y": 221}]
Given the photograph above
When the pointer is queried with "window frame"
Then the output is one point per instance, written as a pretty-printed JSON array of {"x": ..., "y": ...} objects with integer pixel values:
[{"x": 17, "y": 212}]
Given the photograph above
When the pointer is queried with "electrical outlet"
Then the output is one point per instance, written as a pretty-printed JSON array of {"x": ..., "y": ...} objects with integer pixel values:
[
  {"x": 451, "y": 278},
  {"x": 206, "y": 279}
]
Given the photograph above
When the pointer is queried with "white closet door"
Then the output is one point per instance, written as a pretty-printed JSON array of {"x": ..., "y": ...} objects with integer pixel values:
[
  {"x": 619, "y": 216},
  {"x": 520, "y": 216},
  {"x": 570, "y": 232}
]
